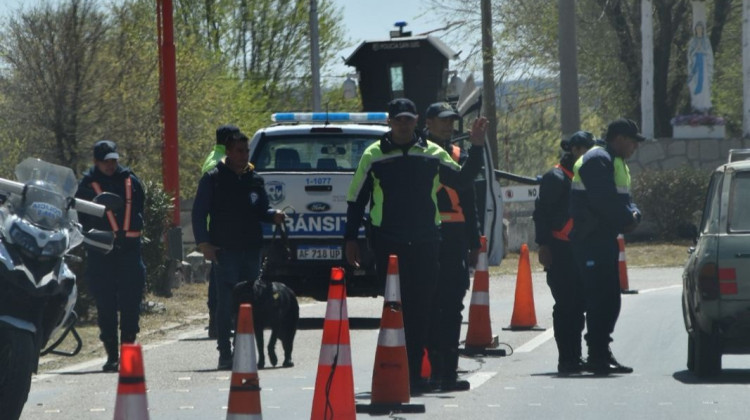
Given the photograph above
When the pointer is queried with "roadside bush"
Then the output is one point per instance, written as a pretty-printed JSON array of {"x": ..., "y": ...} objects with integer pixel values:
[{"x": 670, "y": 199}]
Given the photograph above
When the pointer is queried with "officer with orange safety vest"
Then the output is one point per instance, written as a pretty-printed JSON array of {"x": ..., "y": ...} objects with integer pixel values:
[
  {"x": 116, "y": 279},
  {"x": 553, "y": 225},
  {"x": 459, "y": 247}
]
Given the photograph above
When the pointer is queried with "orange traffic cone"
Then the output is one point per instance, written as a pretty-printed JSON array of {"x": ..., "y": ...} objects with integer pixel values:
[
  {"x": 524, "y": 314},
  {"x": 244, "y": 391},
  {"x": 131, "y": 401},
  {"x": 426, "y": 372},
  {"x": 390, "y": 376},
  {"x": 623, "y": 266},
  {"x": 334, "y": 385},
  {"x": 479, "y": 339}
]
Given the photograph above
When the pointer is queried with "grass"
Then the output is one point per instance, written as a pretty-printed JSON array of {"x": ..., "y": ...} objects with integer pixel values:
[
  {"x": 187, "y": 306},
  {"x": 637, "y": 254}
]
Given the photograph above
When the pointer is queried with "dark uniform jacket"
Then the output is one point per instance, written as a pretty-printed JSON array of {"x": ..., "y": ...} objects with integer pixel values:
[
  {"x": 551, "y": 213},
  {"x": 127, "y": 232},
  {"x": 237, "y": 205},
  {"x": 400, "y": 184}
]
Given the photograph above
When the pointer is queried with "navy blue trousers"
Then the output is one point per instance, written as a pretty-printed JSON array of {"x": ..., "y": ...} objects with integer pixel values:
[
  {"x": 566, "y": 283},
  {"x": 117, "y": 280}
]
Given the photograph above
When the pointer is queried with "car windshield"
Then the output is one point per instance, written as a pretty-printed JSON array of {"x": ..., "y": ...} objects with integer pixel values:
[
  {"x": 739, "y": 210},
  {"x": 331, "y": 152}
]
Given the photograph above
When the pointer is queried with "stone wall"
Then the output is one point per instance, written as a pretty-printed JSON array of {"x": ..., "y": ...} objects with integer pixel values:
[{"x": 661, "y": 154}]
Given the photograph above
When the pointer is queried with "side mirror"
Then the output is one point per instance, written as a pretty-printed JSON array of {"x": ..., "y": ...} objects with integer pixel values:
[
  {"x": 109, "y": 200},
  {"x": 99, "y": 240}
]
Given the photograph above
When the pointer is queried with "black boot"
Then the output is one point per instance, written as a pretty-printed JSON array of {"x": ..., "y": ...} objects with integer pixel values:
[
  {"x": 113, "y": 357},
  {"x": 127, "y": 338}
]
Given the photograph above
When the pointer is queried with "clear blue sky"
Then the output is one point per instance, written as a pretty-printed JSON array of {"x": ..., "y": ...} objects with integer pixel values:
[{"x": 366, "y": 20}]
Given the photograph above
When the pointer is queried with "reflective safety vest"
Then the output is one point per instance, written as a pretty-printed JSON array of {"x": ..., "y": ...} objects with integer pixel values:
[
  {"x": 562, "y": 234},
  {"x": 455, "y": 214},
  {"x": 128, "y": 209}
]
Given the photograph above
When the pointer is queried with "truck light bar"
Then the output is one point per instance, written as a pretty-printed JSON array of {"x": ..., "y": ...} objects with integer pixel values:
[{"x": 370, "y": 117}]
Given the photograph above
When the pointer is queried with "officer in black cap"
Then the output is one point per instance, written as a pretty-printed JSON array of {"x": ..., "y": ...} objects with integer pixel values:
[
  {"x": 602, "y": 208},
  {"x": 117, "y": 279},
  {"x": 459, "y": 248},
  {"x": 553, "y": 225},
  {"x": 398, "y": 177}
]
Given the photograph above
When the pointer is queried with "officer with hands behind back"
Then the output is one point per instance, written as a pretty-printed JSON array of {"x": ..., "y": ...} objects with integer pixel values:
[
  {"x": 459, "y": 248},
  {"x": 116, "y": 279},
  {"x": 398, "y": 177},
  {"x": 553, "y": 225},
  {"x": 601, "y": 207}
]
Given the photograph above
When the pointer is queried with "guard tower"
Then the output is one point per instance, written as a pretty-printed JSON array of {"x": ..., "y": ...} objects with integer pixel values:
[{"x": 415, "y": 67}]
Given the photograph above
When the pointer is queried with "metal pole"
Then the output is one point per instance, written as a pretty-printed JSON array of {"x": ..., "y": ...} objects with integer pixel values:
[
  {"x": 570, "y": 117},
  {"x": 647, "y": 70},
  {"x": 168, "y": 93},
  {"x": 314, "y": 56},
  {"x": 746, "y": 68},
  {"x": 488, "y": 74}
]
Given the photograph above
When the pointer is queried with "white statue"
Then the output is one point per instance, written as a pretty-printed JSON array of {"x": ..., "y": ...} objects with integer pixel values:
[{"x": 700, "y": 68}]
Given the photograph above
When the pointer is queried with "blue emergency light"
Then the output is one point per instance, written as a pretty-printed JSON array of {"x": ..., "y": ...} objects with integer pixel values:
[{"x": 368, "y": 117}]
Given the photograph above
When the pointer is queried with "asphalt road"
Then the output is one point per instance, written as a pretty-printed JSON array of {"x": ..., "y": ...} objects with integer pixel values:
[{"x": 183, "y": 383}]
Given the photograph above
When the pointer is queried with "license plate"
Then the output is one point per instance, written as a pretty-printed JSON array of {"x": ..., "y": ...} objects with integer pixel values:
[{"x": 317, "y": 252}]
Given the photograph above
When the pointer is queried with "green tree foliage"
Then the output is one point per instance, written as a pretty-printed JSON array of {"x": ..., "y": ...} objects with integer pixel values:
[{"x": 670, "y": 199}]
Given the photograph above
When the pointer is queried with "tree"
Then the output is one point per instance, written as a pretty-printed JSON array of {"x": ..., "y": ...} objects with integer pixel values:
[{"x": 56, "y": 82}]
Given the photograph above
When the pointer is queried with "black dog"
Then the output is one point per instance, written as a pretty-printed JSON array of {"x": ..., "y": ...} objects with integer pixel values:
[{"x": 274, "y": 306}]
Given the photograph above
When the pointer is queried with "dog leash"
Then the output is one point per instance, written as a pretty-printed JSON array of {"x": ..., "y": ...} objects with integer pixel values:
[{"x": 284, "y": 244}]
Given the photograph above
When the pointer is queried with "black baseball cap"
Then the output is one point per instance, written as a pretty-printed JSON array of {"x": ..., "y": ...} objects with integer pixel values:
[
  {"x": 579, "y": 138},
  {"x": 440, "y": 110},
  {"x": 623, "y": 127},
  {"x": 402, "y": 107},
  {"x": 224, "y": 132},
  {"x": 105, "y": 150}
]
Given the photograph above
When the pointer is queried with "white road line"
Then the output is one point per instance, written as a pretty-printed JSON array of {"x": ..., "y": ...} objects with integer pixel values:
[
  {"x": 536, "y": 341},
  {"x": 476, "y": 380},
  {"x": 659, "y": 289},
  {"x": 550, "y": 332}
]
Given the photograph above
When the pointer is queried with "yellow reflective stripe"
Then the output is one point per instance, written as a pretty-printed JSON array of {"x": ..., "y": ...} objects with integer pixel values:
[{"x": 391, "y": 337}]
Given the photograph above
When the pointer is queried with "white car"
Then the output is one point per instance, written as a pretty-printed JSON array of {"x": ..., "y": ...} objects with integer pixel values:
[
  {"x": 716, "y": 279},
  {"x": 307, "y": 161}
]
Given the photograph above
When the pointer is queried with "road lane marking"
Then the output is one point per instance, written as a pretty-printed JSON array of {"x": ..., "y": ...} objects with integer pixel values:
[
  {"x": 478, "y": 379},
  {"x": 659, "y": 289},
  {"x": 536, "y": 341}
]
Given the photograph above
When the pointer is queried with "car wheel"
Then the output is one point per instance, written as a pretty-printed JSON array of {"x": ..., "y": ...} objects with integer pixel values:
[
  {"x": 691, "y": 353},
  {"x": 707, "y": 354}
]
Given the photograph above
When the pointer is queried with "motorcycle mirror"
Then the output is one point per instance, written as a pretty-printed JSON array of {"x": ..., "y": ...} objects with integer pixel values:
[
  {"x": 109, "y": 200},
  {"x": 99, "y": 240}
]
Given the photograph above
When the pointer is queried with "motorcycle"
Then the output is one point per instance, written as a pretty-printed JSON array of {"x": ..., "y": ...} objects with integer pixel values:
[{"x": 38, "y": 227}]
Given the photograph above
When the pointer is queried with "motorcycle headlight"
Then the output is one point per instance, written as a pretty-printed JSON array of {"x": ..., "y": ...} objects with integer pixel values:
[{"x": 24, "y": 240}]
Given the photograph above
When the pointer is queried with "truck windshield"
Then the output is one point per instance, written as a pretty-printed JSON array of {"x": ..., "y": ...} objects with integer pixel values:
[{"x": 311, "y": 152}]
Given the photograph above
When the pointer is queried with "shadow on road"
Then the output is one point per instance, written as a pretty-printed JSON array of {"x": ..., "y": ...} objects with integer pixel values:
[
  {"x": 354, "y": 323},
  {"x": 726, "y": 377}
]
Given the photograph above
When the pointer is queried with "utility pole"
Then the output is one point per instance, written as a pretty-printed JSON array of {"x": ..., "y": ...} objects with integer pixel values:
[
  {"x": 488, "y": 75},
  {"x": 647, "y": 69},
  {"x": 168, "y": 94},
  {"x": 746, "y": 68},
  {"x": 570, "y": 116},
  {"x": 314, "y": 56}
]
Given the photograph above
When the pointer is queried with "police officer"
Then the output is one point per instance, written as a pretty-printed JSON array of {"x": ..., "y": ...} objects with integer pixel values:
[
  {"x": 217, "y": 154},
  {"x": 398, "y": 176},
  {"x": 459, "y": 247},
  {"x": 116, "y": 279},
  {"x": 553, "y": 225},
  {"x": 601, "y": 207}
]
